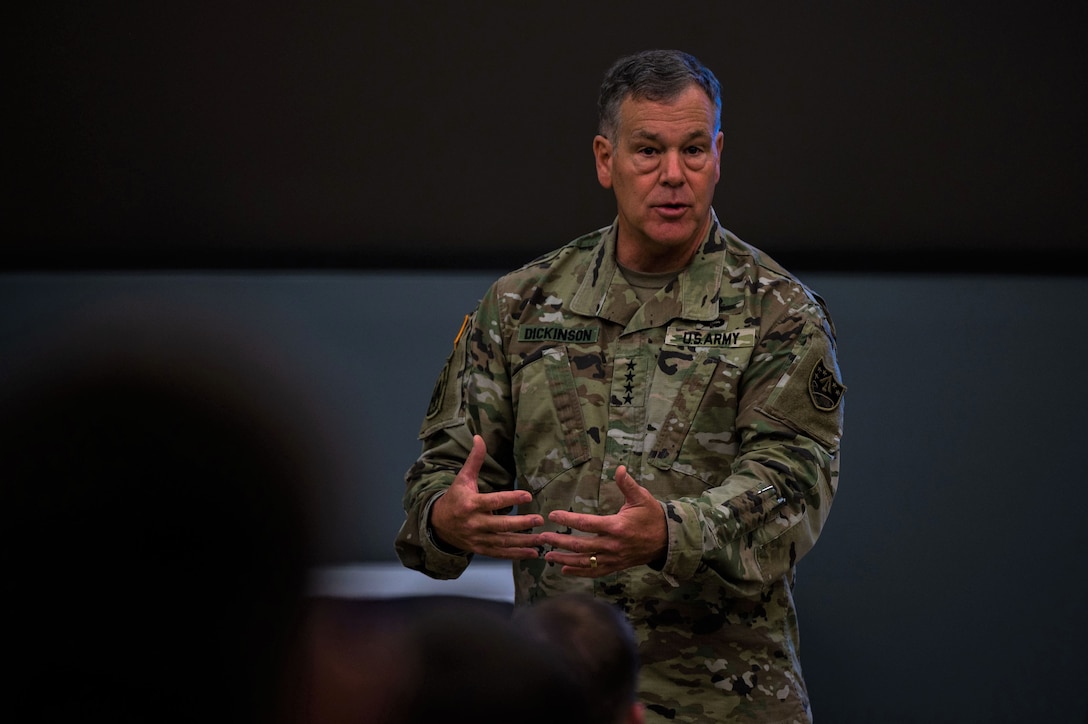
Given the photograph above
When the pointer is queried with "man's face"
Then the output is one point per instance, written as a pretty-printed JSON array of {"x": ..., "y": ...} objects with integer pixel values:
[{"x": 662, "y": 164}]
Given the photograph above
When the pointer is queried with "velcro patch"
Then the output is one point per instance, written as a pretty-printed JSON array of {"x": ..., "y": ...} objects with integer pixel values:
[
  {"x": 438, "y": 394},
  {"x": 555, "y": 333},
  {"x": 710, "y": 337}
]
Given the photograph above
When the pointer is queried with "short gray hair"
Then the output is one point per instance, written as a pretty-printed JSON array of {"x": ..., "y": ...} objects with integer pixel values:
[{"x": 654, "y": 75}]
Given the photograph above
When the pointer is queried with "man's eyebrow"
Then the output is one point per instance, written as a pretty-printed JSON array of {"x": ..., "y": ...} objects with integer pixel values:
[{"x": 698, "y": 134}]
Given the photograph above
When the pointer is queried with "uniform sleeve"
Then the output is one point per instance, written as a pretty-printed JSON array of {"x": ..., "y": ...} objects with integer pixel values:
[
  {"x": 472, "y": 380},
  {"x": 771, "y": 507}
]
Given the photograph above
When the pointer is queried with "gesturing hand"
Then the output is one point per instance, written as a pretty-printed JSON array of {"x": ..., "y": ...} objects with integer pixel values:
[
  {"x": 469, "y": 520},
  {"x": 635, "y": 535}
]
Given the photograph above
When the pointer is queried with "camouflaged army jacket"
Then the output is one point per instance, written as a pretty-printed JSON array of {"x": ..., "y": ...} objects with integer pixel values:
[{"x": 721, "y": 395}]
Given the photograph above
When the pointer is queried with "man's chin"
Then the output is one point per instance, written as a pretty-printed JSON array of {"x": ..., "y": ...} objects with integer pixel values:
[{"x": 679, "y": 233}]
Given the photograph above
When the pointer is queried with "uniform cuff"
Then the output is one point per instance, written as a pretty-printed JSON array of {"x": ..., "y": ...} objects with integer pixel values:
[
  {"x": 442, "y": 560},
  {"x": 685, "y": 539}
]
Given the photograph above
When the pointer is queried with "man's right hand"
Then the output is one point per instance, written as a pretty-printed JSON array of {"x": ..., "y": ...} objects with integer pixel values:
[{"x": 468, "y": 520}]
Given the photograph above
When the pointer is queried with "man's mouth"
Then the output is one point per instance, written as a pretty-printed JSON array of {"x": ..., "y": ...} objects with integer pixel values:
[{"x": 670, "y": 210}]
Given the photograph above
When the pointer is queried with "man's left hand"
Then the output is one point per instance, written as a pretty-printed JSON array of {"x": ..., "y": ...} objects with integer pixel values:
[{"x": 634, "y": 536}]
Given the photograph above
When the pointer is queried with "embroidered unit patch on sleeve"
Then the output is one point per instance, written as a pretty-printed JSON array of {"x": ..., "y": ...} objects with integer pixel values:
[
  {"x": 439, "y": 393},
  {"x": 824, "y": 389},
  {"x": 441, "y": 385}
]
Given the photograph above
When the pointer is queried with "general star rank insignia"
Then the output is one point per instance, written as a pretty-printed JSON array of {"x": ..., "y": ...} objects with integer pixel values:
[{"x": 824, "y": 389}]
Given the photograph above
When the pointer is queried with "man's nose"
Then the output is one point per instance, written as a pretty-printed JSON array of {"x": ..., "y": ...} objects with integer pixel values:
[{"x": 672, "y": 169}]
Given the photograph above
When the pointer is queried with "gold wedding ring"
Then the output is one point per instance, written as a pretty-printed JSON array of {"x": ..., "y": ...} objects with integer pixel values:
[{"x": 593, "y": 561}]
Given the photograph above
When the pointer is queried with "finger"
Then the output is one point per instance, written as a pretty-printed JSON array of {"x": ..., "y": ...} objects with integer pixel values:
[
  {"x": 467, "y": 482},
  {"x": 470, "y": 471},
  {"x": 509, "y": 553},
  {"x": 632, "y": 491},
  {"x": 575, "y": 560},
  {"x": 575, "y": 544},
  {"x": 513, "y": 545},
  {"x": 579, "y": 521},
  {"x": 634, "y": 495},
  {"x": 581, "y": 565},
  {"x": 515, "y": 523},
  {"x": 502, "y": 501}
]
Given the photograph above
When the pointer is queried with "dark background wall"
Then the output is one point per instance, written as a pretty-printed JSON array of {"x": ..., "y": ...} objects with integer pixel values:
[
  {"x": 949, "y": 585},
  {"x": 335, "y": 133},
  {"x": 331, "y": 186}
]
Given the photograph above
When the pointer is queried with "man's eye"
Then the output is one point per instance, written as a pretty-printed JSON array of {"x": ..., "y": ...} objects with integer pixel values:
[
  {"x": 647, "y": 151},
  {"x": 694, "y": 150}
]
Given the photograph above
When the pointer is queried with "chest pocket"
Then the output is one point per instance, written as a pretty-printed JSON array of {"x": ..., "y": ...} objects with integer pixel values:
[
  {"x": 697, "y": 435},
  {"x": 550, "y": 436}
]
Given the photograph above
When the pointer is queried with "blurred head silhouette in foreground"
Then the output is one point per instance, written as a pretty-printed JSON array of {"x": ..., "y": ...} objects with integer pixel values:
[
  {"x": 155, "y": 533},
  {"x": 597, "y": 643},
  {"x": 424, "y": 659}
]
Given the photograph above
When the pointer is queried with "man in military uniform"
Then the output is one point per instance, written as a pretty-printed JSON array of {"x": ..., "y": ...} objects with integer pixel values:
[{"x": 661, "y": 404}]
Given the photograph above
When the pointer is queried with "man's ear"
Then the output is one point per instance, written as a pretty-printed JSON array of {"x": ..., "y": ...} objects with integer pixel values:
[
  {"x": 602, "y": 154},
  {"x": 719, "y": 143}
]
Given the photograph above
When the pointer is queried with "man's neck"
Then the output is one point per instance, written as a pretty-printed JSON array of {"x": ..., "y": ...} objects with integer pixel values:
[{"x": 644, "y": 256}]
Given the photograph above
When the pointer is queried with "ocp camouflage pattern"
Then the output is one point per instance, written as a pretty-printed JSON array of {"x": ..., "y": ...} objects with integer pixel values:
[{"x": 721, "y": 395}]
